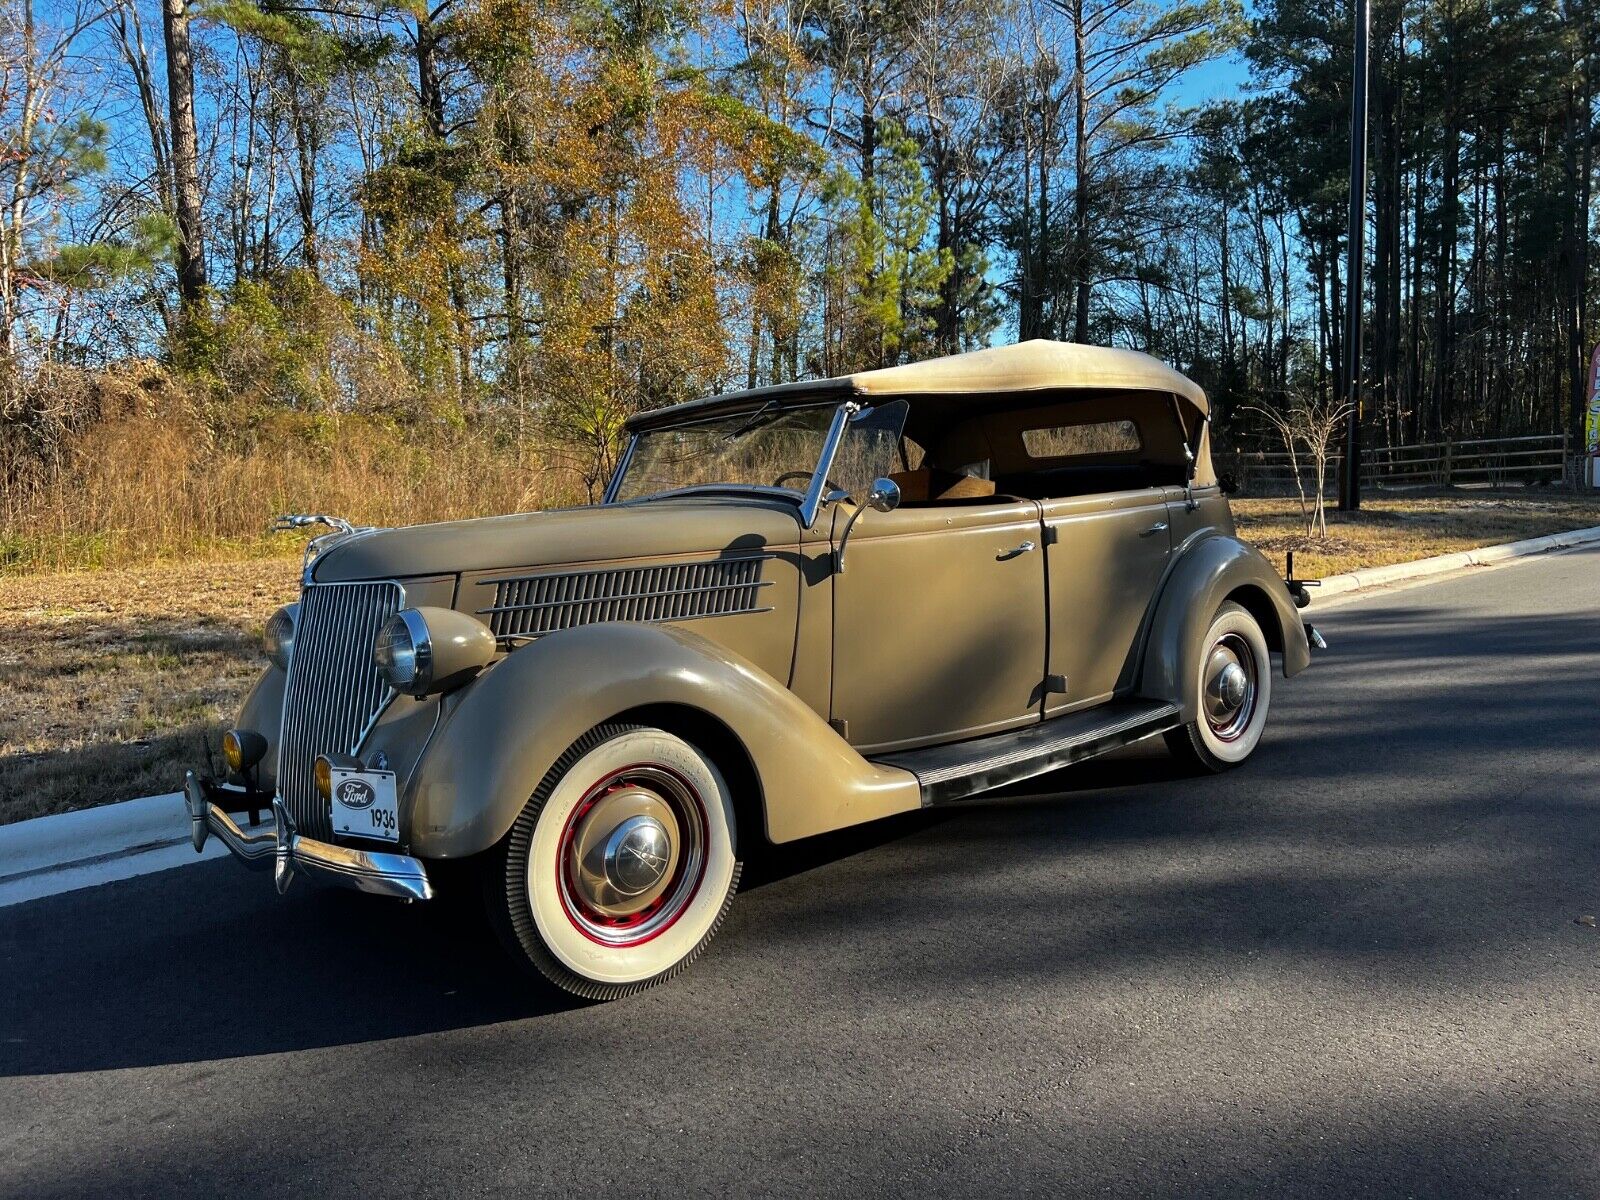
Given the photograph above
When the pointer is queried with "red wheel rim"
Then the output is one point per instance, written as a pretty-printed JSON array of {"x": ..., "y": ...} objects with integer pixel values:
[{"x": 664, "y": 911}]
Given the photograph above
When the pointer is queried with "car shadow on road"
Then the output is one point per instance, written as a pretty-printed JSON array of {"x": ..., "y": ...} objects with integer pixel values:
[
  {"x": 205, "y": 963},
  {"x": 199, "y": 963}
]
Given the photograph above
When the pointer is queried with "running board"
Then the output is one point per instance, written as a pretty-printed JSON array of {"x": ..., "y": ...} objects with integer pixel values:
[{"x": 960, "y": 769}]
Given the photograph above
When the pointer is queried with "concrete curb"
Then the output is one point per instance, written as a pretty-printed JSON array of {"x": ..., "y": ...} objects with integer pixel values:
[
  {"x": 1376, "y": 577},
  {"x": 48, "y": 855},
  {"x": 96, "y": 845}
]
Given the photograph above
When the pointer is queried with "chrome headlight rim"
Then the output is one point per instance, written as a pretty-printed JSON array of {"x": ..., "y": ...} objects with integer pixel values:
[
  {"x": 277, "y": 639},
  {"x": 403, "y": 653}
]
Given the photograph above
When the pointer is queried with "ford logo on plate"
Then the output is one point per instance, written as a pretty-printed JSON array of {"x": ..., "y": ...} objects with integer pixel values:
[{"x": 356, "y": 793}]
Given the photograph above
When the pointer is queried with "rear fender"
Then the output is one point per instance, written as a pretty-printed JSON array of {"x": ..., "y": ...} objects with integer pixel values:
[
  {"x": 509, "y": 727},
  {"x": 1208, "y": 572}
]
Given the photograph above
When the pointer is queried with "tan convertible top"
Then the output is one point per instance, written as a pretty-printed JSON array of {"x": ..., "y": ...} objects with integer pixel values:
[{"x": 1034, "y": 366}]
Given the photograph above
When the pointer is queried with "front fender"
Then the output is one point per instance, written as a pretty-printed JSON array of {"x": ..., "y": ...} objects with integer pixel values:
[
  {"x": 511, "y": 725},
  {"x": 1206, "y": 573},
  {"x": 262, "y": 712}
]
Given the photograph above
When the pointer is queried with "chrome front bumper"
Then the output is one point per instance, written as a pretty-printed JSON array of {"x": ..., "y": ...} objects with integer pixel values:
[{"x": 278, "y": 846}]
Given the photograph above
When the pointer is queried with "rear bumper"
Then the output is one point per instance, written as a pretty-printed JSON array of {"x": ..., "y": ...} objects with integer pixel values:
[{"x": 278, "y": 846}]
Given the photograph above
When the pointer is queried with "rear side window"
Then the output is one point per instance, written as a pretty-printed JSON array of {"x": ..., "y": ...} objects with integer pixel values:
[{"x": 1077, "y": 441}]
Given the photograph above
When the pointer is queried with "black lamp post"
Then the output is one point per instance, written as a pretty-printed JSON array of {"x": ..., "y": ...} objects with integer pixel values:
[{"x": 1350, "y": 474}]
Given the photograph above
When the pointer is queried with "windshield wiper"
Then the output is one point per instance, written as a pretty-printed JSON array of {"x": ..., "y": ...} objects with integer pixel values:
[{"x": 755, "y": 418}]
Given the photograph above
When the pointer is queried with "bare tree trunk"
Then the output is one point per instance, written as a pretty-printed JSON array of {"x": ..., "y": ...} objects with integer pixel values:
[
  {"x": 1027, "y": 284},
  {"x": 430, "y": 97},
  {"x": 1449, "y": 224},
  {"x": 185, "y": 153},
  {"x": 1043, "y": 284},
  {"x": 130, "y": 43},
  {"x": 308, "y": 146},
  {"x": 430, "y": 94},
  {"x": 1080, "y": 196},
  {"x": 1420, "y": 426},
  {"x": 1226, "y": 290},
  {"x": 1579, "y": 167}
]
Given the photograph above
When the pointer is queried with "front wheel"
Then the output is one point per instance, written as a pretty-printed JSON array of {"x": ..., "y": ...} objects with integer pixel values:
[
  {"x": 620, "y": 867},
  {"x": 1234, "y": 688}
]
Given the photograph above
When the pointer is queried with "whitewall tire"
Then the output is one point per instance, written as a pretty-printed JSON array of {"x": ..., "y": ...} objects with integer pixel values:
[
  {"x": 1233, "y": 684},
  {"x": 622, "y": 865}
]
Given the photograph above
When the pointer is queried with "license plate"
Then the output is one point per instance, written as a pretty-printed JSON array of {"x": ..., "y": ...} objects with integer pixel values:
[{"x": 364, "y": 804}]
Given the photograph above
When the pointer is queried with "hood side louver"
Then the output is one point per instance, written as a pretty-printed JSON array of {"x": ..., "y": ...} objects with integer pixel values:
[{"x": 529, "y": 606}]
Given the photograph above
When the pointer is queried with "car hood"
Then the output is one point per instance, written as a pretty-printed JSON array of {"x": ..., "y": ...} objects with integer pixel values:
[{"x": 597, "y": 533}]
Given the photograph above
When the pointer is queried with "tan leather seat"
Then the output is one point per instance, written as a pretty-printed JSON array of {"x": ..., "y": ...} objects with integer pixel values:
[{"x": 931, "y": 485}]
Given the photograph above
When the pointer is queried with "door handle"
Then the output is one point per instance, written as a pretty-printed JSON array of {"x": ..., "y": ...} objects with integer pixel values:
[
  {"x": 1015, "y": 551},
  {"x": 1158, "y": 527}
]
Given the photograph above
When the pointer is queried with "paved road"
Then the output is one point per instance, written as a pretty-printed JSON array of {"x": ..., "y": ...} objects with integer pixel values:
[{"x": 1352, "y": 967}]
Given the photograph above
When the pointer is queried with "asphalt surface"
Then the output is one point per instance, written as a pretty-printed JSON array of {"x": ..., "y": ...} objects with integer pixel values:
[{"x": 1354, "y": 966}]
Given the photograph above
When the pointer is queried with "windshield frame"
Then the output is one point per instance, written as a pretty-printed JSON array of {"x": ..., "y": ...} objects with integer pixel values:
[{"x": 810, "y": 500}]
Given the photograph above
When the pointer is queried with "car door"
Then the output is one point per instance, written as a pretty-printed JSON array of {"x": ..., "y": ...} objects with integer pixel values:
[
  {"x": 939, "y": 628},
  {"x": 1104, "y": 558}
]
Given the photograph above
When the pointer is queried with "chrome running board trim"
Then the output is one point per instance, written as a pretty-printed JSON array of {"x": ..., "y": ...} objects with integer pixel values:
[{"x": 953, "y": 772}]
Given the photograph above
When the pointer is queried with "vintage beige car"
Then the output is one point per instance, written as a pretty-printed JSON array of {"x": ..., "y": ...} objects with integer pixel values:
[{"x": 797, "y": 608}]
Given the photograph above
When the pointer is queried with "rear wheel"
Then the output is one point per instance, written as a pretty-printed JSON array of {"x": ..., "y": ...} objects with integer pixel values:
[
  {"x": 621, "y": 866},
  {"x": 1234, "y": 686}
]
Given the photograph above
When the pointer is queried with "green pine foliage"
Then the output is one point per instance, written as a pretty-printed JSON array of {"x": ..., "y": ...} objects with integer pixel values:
[{"x": 539, "y": 218}]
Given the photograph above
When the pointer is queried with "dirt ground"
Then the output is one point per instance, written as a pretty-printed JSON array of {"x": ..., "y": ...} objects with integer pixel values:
[{"x": 113, "y": 682}]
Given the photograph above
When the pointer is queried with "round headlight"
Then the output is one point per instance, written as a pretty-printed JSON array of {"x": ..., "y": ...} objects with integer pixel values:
[
  {"x": 278, "y": 641},
  {"x": 404, "y": 653}
]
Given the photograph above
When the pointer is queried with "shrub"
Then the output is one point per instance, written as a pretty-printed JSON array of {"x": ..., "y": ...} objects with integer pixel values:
[{"x": 107, "y": 468}]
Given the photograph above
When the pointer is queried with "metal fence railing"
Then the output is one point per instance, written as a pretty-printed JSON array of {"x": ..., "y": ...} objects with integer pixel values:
[{"x": 1490, "y": 462}]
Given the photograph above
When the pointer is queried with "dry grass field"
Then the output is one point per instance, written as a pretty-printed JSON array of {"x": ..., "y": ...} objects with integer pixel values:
[
  {"x": 113, "y": 681},
  {"x": 1388, "y": 530}
]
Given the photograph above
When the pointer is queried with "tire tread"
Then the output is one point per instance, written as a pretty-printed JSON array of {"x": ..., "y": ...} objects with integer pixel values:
[
  {"x": 505, "y": 889},
  {"x": 1185, "y": 743}
]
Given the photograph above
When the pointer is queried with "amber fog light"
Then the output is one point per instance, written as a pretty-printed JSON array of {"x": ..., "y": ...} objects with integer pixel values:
[
  {"x": 322, "y": 775},
  {"x": 243, "y": 749}
]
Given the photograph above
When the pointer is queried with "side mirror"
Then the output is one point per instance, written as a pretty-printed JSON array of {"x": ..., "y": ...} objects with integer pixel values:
[{"x": 884, "y": 496}]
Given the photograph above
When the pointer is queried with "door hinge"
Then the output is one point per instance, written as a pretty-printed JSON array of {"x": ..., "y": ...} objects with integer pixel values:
[
  {"x": 1052, "y": 535},
  {"x": 1055, "y": 683},
  {"x": 840, "y": 726}
]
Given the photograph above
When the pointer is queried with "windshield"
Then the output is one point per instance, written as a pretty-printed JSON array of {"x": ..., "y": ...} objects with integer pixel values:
[{"x": 770, "y": 447}]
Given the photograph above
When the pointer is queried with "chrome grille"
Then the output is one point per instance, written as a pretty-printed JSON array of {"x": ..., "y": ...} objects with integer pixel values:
[
  {"x": 530, "y": 606},
  {"x": 334, "y": 691}
]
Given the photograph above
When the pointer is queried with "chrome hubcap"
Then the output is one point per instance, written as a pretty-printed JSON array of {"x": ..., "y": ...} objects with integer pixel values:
[
  {"x": 636, "y": 855},
  {"x": 632, "y": 855},
  {"x": 1230, "y": 686}
]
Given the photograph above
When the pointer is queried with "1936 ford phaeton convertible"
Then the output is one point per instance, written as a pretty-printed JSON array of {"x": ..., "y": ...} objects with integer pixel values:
[{"x": 797, "y": 608}]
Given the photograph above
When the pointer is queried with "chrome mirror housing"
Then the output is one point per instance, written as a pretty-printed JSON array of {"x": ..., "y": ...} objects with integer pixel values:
[{"x": 884, "y": 496}]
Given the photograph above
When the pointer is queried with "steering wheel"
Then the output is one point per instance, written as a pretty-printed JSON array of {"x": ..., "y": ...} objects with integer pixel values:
[{"x": 778, "y": 482}]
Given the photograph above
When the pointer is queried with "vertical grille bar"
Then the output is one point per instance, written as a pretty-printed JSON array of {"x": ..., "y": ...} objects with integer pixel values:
[{"x": 334, "y": 691}]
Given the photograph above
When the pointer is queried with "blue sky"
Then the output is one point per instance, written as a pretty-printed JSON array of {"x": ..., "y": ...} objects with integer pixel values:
[{"x": 1217, "y": 80}]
